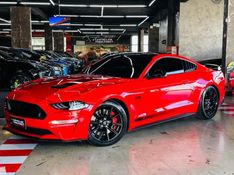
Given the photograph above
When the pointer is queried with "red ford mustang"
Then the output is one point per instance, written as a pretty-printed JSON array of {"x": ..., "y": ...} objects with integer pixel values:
[{"x": 120, "y": 94}]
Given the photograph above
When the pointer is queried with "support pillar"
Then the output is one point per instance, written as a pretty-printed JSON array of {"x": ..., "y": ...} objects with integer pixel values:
[
  {"x": 48, "y": 37},
  {"x": 58, "y": 41},
  {"x": 173, "y": 22},
  {"x": 153, "y": 39},
  {"x": 141, "y": 33},
  {"x": 21, "y": 28}
]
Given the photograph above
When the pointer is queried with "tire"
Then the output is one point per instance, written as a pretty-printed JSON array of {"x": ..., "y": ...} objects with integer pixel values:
[
  {"x": 108, "y": 124},
  {"x": 209, "y": 103},
  {"x": 18, "y": 79}
]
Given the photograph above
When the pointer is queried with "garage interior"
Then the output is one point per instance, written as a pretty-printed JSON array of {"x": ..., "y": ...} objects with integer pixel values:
[{"x": 201, "y": 30}]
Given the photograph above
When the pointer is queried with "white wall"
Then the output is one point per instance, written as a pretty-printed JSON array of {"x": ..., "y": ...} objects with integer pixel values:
[{"x": 201, "y": 29}]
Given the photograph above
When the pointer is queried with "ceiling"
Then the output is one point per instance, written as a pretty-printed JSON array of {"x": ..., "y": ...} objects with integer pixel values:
[{"x": 88, "y": 17}]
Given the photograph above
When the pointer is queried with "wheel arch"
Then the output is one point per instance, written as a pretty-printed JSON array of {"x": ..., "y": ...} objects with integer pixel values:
[{"x": 123, "y": 105}]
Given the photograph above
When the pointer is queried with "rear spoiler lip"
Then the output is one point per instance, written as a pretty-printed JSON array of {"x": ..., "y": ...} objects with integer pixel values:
[{"x": 213, "y": 67}]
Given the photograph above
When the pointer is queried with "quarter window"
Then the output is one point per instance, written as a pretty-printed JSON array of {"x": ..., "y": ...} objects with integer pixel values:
[{"x": 168, "y": 66}]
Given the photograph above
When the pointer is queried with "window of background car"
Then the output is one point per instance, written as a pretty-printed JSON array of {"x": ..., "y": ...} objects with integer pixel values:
[
  {"x": 168, "y": 66},
  {"x": 189, "y": 67},
  {"x": 125, "y": 66}
]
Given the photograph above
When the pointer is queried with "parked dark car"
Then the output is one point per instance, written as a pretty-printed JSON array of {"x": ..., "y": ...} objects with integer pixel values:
[
  {"x": 14, "y": 72},
  {"x": 25, "y": 54}
]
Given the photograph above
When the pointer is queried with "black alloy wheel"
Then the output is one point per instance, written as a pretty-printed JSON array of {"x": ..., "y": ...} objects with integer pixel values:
[
  {"x": 18, "y": 79},
  {"x": 209, "y": 103},
  {"x": 108, "y": 124}
]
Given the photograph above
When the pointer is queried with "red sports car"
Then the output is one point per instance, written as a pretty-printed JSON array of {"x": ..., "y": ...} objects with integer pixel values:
[{"x": 120, "y": 94}]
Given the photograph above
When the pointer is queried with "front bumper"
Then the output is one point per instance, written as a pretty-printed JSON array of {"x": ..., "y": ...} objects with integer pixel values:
[{"x": 46, "y": 128}]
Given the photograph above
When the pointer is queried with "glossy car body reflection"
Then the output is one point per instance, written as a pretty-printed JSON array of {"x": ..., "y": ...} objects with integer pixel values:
[{"x": 147, "y": 98}]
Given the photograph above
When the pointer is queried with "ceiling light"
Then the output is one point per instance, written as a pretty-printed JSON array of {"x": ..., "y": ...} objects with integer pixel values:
[
  {"x": 151, "y": 3},
  {"x": 35, "y": 3},
  {"x": 128, "y": 25},
  {"x": 79, "y": 31},
  {"x": 89, "y": 16},
  {"x": 1, "y": 19},
  {"x": 38, "y": 30},
  {"x": 71, "y": 31},
  {"x": 75, "y": 24},
  {"x": 102, "y": 33},
  {"x": 102, "y": 11},
  {"x": 124, "y": 31},
  {"x": 136, "y": 16},
  {"x": 89, "y": 33},
  {"x": 108, "y": 16},
  {"x": 117, "y": 29},
  {"x": 143, "y": 21},
  {"x": 92, "y": 25},
  {"x": 100, "y": 6},
  {"x": 5, "y": 24},
  {"x": 8, "y": 3},
  {"x": 52, "y": 2},
  {"x": 93, "y": 29},
  {"x": 73, "y": 5},
  {"x": 6, "y": 29},
  {"x": 131, "y": 6}
]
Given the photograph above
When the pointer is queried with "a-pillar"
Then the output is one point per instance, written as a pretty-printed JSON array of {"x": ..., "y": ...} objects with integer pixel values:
[
  {"x": 141, "y": 33},
  {"x": 48, "y": 37},
  {"x": 58, "y": 41},
  {"x": 153, "y": 39},
  {"x": 21, "y": 34}
]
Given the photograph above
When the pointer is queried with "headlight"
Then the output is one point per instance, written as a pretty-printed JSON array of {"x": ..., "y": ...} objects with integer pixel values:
[{"x": 71, "y": 106}]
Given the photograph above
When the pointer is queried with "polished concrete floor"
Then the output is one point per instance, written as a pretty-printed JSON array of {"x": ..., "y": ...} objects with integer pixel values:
[{"x": 184, "y": 147}]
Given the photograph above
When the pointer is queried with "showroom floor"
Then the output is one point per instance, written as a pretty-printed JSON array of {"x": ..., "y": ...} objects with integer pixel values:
[{"x": 186, "y": 146}]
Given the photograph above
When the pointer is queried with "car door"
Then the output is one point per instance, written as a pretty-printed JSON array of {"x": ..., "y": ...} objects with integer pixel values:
[{"x": 167, "y": 90}]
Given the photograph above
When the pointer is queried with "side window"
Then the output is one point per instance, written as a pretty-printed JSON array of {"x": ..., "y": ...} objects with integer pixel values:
[
  {"x": 167, "y": 66},
  {"x": 189, "y": 67}
]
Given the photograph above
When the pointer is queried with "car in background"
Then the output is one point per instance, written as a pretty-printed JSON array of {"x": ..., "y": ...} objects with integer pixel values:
[
  {"x": 14, "y": 72},
  {"x": 25, "y": 54},
  {"x": 119, "y": 95},
  {"x": 74, "y": 65}
]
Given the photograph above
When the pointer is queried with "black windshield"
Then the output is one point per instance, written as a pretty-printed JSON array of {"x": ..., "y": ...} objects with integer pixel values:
[{"x": 124, "y": 66}]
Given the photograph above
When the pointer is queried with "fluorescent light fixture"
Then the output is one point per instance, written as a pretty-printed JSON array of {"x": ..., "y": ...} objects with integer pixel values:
[
  {"x": 73, "y": 5},
  {"x": 45, "y": 21},
  {"x": 151, "y": 3},
  {"x": 127, "y": 25},
  {"x": 38, "y": 30},
  {"x": 89, "y": 33},
  {"x": 92, "y": 25},
  {"x": 112, "y": 16},
  {"x": 57, "y": 30},
  {"x": 100, "y": 6},
  {"x": 52, "y": 2},
  {"x": 105, "y": 6},
  {"x": 8, "y": 3},
  {"x": 93, "y": 29},
  {"x": 102, "y": 33},
  {"x": 143, "y": 21},
  {"x": 6, "y": 29},
  {"x": 124, "y": 31},
  {"x": 36, "y": 21},
  {"x": 5, "y": 24},
  {"x": 79, "y": 30},
  {"x": 76, "y": 25},
  {"x": 67, "y": 16},
  {"x": 136, "y": 16},
  {"x": 35, "y": 3},
  {"x": 131, "y": 6},
  {"x": 102, "y": 11},
  {"x": 89, "y": 16},
  {"x": 117, "y": 29},
  {"x": 3, "y": 20}
]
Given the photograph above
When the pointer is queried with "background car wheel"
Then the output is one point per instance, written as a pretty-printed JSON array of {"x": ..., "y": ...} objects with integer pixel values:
[
  {"x": 209, "y": 103},
  {"x": 108, "y": 124},
  {"x": 19, "y": 79}
]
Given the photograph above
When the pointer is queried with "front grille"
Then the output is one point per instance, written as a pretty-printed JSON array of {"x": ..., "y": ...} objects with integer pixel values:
[
  {"x": 30, "y": 130},
  {"x": 23, "y": 109}
]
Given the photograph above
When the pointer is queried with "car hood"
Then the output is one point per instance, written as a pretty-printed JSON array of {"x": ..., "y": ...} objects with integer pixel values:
[{"x": 65, "y": 88}]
